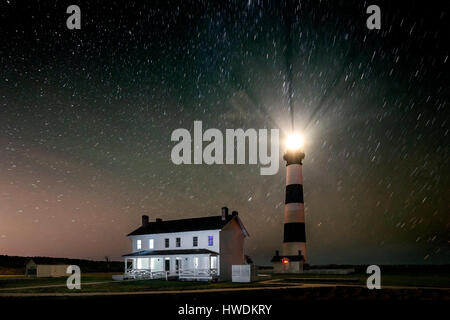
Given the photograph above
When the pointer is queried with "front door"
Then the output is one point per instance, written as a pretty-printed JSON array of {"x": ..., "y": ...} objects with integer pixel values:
[
  {"x": 167, "y": 265},
  {"x": 178, "y": 265}
]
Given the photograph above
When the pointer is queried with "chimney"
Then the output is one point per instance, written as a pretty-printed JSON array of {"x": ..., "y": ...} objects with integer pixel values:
[
  {"x": 224, "y": 213},
  {"x": 277, "y": 253},
  {"x": 144, "y": 221},
  {"x": 234, "y": 214},
  {"x": 158, "y": 220}
]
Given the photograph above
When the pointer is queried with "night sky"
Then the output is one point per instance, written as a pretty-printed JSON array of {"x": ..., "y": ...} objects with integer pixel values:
[{"x": 86, "y": 118}]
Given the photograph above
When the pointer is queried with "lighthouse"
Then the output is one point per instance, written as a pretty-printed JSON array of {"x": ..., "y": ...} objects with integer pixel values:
[{"x": 293, "y": 253}]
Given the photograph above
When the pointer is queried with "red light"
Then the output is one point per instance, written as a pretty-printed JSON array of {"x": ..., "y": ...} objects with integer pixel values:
[{"x": 285, "y": 260}]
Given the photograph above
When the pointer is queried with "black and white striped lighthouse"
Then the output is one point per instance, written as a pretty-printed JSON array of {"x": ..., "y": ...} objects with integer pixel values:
[
  {"x": 294, "y": 236},
  {"x": 293, "y": 253}
]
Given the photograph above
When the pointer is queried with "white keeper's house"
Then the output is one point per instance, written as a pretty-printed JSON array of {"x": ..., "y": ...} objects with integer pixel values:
[{"x": 191, "y": 249}]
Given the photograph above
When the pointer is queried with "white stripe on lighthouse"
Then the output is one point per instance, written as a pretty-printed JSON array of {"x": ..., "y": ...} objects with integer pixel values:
[
  {"x": 294, "y": 212},
  {"x": 294, "y": 174},
  {"x": 292, "y": 248}
]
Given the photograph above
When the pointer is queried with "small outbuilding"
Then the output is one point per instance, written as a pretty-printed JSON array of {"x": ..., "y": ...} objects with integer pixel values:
[{"x": 45, "y": 267}]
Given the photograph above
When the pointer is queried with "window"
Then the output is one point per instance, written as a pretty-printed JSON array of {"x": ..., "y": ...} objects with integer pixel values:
[
  {"x": 178, "y": 242},
  {"x": 213, "y": 262},
  {"x": 166, "y": 242},
  {"x": 150, "y": 244},
  {"x": 178, "y": 263},
  {"x": 138, "y": 244},
  {"x": 152, "y": 263},
  {"x": 210, "y": 240},
  {"x": 167, "y": 264},
  {"x": 195, "y": 241},
  {"x": 195, "y": 262}
]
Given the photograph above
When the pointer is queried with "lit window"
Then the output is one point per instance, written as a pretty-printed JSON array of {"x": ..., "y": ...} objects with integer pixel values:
[
  {"x": 166, "y": 242},
  {"x": 138, "y": 244},
  {"x": 213, "y": 262},
  {"x": 195, "y": 262},
  {"x": 150, "y": 244},
  {"x": 152, "y": 263},
  {"x": 195, "y": 241},
  {"x": 210, "y": 240},
  {"x": 178, "y": 242}
]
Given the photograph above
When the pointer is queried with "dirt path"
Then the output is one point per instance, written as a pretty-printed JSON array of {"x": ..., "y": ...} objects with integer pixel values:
[
  {"x": 159, "y": 291},
  {"x": 213, "y": 290},
  {"x": 64, "y": 285}
]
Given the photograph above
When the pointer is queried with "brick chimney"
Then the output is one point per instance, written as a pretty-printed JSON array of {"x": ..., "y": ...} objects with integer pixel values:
[
  {"x": 144, "y": 221},
  {"x": 224, "y": 213}
]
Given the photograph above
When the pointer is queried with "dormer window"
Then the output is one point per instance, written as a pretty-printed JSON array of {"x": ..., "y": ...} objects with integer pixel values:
[
  {"x": 138, "y": 244},
  {"x": 210, "y": 240},
  {"x": 178, "y": 242},
  {"x": 166, "y": 241},
  {"x": 150, "y": 243}
]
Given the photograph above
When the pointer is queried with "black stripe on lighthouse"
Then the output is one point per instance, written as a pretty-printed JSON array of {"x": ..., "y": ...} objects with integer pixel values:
[
  {"x": 294, "y": 232},
  {"x": 294, "y": 193}
]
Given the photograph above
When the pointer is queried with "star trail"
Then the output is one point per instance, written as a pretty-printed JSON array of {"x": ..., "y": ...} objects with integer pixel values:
[{"x": 87, "y": 116}]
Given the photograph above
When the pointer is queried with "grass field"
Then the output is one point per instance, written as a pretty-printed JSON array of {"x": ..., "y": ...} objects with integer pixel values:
[
  {"x": 438, "y": 280},
  {"x": 102, "y": 282},
  {"x": 10, "y": 281}
]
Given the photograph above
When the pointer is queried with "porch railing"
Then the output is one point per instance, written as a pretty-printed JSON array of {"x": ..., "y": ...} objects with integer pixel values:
[
  {"x": 181, "y": 273},
  {"x": 146, "y": 274},
  {"x": 198, "y": 274}
]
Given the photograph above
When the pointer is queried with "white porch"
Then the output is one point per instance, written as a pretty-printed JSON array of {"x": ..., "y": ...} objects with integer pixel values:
[{"x": 150, "y": 265}]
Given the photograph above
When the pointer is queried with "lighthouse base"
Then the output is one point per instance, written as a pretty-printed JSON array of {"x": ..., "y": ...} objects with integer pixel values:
[
  {"x": 288, "y": 264},
  {"x": 291, "y": 267}
]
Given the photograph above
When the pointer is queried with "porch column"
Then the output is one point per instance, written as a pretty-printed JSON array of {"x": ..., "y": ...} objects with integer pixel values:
[{"x": 126, "y": 262}]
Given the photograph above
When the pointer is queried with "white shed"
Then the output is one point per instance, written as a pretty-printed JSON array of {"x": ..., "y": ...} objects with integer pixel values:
[
  {"x": 41, "y": 267},
  {"x": 243, "y": 273}
]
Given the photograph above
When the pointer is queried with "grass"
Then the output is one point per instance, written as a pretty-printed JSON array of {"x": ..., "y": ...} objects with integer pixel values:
[
  {"x": 133, "y": 285},
  {"x": 107, "y": 285},
  {"x": 438, "y": 280},
  {"x": 13, "y": 282}
]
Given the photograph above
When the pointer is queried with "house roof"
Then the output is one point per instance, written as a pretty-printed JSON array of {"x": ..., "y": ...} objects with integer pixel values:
[
  {"x": 168, "y": 252},
  {"x": 182, "y": 225}
]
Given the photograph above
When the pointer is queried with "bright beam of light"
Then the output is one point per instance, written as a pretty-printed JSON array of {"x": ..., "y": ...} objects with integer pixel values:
[{"x": 294, "y": 142}]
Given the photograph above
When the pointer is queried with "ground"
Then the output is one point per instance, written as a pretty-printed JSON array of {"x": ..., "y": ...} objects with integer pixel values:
[
  {"x": 102, "y": 283},
  {"x": 410, "y": 293}
]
